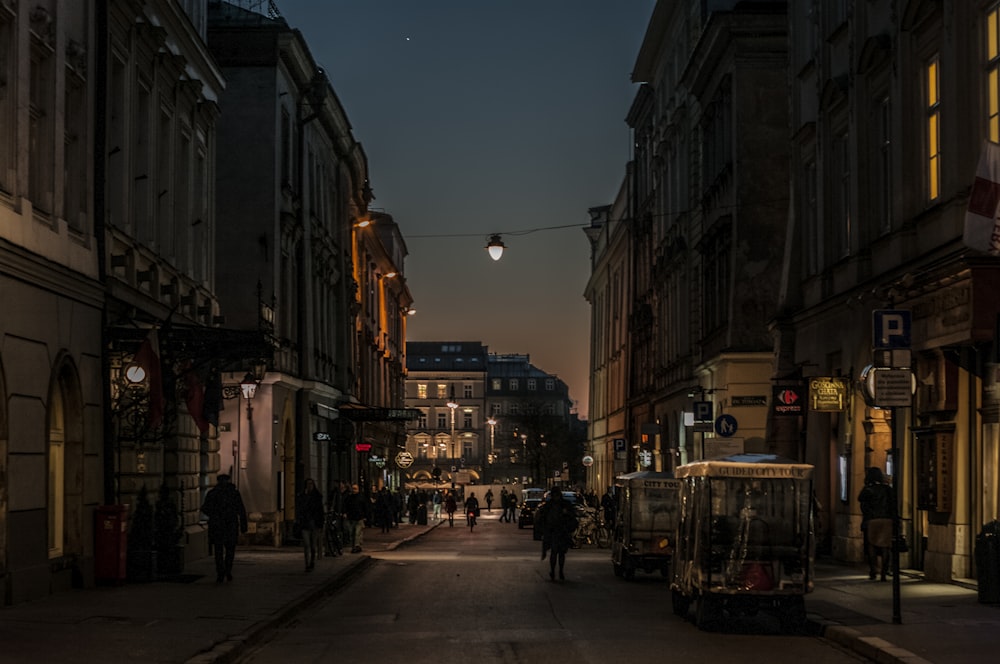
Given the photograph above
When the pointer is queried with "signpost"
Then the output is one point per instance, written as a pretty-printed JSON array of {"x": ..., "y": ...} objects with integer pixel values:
[{"x": 891, "y": 385}]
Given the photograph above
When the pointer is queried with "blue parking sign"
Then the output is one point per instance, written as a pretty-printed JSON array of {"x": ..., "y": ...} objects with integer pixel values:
[
  {"x": 702, "y": 411},
  {"x": 890, "y": 329}
]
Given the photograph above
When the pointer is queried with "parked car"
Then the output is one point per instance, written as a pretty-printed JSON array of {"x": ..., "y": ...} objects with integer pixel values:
[{"x": 530, "y": 500}]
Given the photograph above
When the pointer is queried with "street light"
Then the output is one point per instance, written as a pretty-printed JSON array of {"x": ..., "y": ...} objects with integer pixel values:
[
  {"x": 248, "y": 387},
  {"x": 493, "y": 425},
  {"x": 452, "y": 404},
  {"x": 492, "y": 458}
]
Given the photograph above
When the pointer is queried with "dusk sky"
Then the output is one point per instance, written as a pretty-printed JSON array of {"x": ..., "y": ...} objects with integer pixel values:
[{"x": 481, "y": 117}]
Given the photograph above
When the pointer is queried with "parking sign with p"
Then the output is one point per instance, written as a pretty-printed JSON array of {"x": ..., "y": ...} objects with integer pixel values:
[{"x": 890, "y": 329}]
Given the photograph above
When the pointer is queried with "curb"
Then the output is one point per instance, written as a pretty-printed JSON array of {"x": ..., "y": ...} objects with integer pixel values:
[
  {"x": 231, "y": 648},
  {"x": 224, "y": 652},
  {"x": 871, "y": 647}
]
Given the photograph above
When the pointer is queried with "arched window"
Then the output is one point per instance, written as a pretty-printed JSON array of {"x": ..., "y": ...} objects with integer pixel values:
[{"x": 56, "y": 476}]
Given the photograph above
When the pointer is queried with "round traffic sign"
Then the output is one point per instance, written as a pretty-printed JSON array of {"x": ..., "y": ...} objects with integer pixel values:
[{"x": 726, "y": 425}]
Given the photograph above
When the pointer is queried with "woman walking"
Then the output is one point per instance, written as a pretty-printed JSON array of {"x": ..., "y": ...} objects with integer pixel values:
[
  {"x": 558, "y": 526},
  {"x": 450, "y": 506},
  {"x": 309, "y": 519}
]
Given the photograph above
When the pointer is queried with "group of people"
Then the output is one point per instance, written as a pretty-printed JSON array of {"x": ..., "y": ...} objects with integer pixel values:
[{"x": 227, "y": 519}]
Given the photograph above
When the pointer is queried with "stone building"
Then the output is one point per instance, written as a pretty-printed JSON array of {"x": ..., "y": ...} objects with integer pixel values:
[
  {"x": 891, "y": 105},
  {"x": 294, "y": 260},
  {"x": 52, "y": 463},
  {"x": 607, "y": 291},
  {"x": 705, "y": 203}
]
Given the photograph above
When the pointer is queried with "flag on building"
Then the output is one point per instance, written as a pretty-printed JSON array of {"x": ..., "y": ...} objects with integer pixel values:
[
  {"x": 982, "y": 230},
  {"x": 195, "y": 396},
  {"x": 148, "y": 357}
]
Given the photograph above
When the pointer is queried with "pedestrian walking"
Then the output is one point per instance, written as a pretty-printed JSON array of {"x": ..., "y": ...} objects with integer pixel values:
[
  {"x": 449, "y": 507},
  {"x": 437, "y": 500},
  {"x": 471, "y": 510},
  {"x": 489, "y": 499},
  {"x": 384, "y": 509},
  {"x": 411, "y": 506},
  {"x": 309, "y": 518},
  {"x": 559, "y": 524},
  {"x": 512, "y": 503},
  {"x": 878, "y": 509},
  {"x": 227, "y": 518},
  {"x": 355, "y": 512}
]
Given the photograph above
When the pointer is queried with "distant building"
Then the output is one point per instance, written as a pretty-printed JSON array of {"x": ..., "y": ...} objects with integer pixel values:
[{"x": 534, "y": 433}]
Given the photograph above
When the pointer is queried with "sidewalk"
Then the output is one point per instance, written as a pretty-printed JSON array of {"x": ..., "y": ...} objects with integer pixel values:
[
  {"x": 942, "y": 623},
  {"x": 196, "y": 621},
  {"x": 192, "y": 620}
]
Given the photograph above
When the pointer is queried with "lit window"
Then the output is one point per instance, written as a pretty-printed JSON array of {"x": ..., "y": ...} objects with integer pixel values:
[
  {"x": 497, "y": 384},
  {"x": 933, "y": 131},
  {"x": 993, "y": 73},
  {"x": 421, "y": 390},
  {"x": 442, "y": 391}
]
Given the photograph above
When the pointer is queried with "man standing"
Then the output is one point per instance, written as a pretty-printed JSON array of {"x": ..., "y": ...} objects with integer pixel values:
[
  {"x": 227, "y": 518},
  {"x": 354, "y": 514}
]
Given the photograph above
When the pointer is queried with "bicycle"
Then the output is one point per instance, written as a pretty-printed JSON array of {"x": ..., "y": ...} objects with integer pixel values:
[
  {"x": 591, "y": 529},
  {"x": 333, "y": 546}
]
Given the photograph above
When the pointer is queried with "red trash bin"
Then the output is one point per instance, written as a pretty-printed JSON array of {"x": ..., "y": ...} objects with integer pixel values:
[{"x": 110, "y": 546}]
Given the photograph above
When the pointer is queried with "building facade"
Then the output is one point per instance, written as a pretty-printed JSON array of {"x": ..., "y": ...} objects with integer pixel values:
[
  {"x": 446, "y": 384},
  {"x": 707, "y": 192},
  {"x": 607, "y": 291},
  {"x": 291, "y": 202},
  {"x": 52, "y": 461},
  {"x": 892, "y": 105}
]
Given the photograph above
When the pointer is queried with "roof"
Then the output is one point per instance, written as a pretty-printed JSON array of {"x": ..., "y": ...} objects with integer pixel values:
[{"x": 757, "y": 466}]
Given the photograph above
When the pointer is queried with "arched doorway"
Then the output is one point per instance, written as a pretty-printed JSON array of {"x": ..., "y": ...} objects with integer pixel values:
[{"x": 65, "y": 466}]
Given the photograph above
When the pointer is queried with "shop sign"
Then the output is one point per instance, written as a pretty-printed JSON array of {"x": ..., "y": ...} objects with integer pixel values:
[{"x": 828, "y": 394}]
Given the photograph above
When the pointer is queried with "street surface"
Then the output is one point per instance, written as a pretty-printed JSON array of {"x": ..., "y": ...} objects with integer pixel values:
[{"x": 486, "y": 597}]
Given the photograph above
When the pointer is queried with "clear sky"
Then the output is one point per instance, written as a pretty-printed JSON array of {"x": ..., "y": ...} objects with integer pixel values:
[{"x": 481, "y": 117}]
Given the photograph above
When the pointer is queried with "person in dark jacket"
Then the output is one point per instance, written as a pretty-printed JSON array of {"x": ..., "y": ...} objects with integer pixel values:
[
  {"x": 355, "y": 512},
  {"x": 450, "y": 505},
  {"x": 384, "y": 509},
  {"x": 559, "y": 524},
  {"x": 227, "y": 518},
  {"x": 471, "y": 510},
  {"x": 309, "y": 519},
  {"x": 878, "y": 509}
]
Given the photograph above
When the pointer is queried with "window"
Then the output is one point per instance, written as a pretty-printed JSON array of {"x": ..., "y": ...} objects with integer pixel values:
[
  {"x": 421, "y": 390},
  {"x": 993, "y": 73},
  {"x": 442, "y": 391},
  {"x": 532, "y": 384},
  {"x": 497, "y": 384},
  {"x": 467, "y": 419},
  {"x": 812, "y": 238},
  {"x": 841, "y": 215},
  {"x": 883, "y": 166},
  {"x": 933, "y": 110},
  {"x": 56, "y": 484},
  {"x": 550, "y": 384},
  {"x": 466, "y": 450},
  {"x": 715, "y": 275},
  {"x": 442, "y": 420},
  {"x": 496, "y": 409},
  {"x": 467, "y": 390},
  {"x": 512, "y": 384},
  {"x": 514, "y": 409},
  {"x": 422, "y": 421}
]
